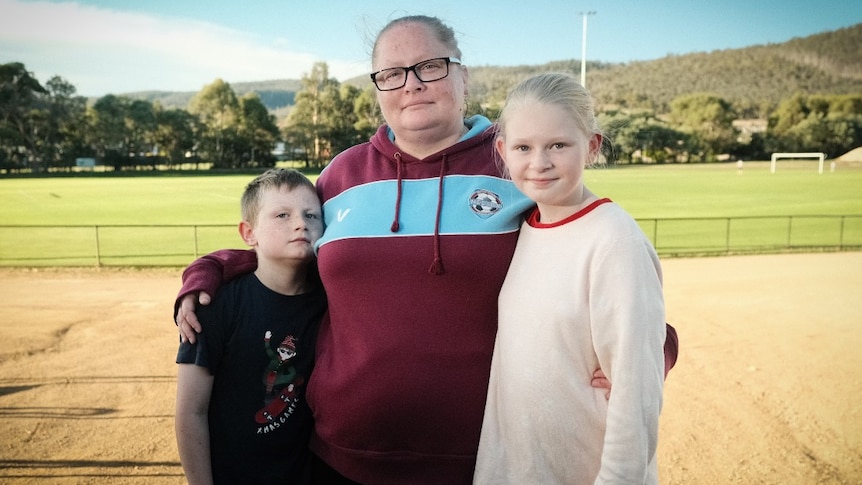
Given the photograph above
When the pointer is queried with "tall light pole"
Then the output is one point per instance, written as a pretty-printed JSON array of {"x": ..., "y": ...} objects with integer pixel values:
[{"x": 584, "y": 49}]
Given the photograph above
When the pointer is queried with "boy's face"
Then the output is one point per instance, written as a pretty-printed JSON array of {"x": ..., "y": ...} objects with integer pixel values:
[{"x": 290, "y": 221}]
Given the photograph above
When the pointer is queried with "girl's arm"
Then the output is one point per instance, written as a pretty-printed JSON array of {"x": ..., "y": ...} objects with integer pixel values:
[
  {"x": 630, "y": 340},
  {"x": 194, "y": 388}
]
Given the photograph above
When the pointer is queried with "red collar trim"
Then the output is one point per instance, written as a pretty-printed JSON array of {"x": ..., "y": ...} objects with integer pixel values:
[{"x": 533, "y": 218}]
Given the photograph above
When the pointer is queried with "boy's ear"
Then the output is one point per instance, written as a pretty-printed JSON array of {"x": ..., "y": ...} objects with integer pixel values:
[{"x": 246, "y": 232}]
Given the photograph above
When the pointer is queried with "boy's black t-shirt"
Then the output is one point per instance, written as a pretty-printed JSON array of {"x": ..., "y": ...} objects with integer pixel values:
[{"x": 259, "y": 346}]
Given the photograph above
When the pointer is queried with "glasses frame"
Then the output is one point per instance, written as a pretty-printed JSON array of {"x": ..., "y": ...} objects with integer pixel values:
[{"x": 407, "y": 69}]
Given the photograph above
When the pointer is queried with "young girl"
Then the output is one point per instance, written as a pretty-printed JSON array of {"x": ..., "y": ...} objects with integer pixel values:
[{"x": 584, "y": 290}]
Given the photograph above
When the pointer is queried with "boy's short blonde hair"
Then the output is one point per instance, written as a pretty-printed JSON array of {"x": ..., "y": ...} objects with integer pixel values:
[{"x": 273, "y": 178}]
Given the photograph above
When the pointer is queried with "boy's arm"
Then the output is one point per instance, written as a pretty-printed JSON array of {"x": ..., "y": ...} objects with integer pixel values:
[
  {"x": 194, "y": 388},
  {"x": 202, "y": 279},
  {"x": 671, "y": 351}
]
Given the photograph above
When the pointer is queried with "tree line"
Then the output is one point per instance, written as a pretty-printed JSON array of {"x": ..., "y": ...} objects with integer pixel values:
[
  {"x": 48, "y": 127},
  {"x": 703, "y": 127}
]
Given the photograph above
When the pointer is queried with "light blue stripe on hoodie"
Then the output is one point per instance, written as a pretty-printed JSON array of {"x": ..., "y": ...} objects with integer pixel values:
[{"x": 470, "y": 207}]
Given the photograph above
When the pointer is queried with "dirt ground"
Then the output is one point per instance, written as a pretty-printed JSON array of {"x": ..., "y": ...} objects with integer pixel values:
[{"x": 768, "y": 388}]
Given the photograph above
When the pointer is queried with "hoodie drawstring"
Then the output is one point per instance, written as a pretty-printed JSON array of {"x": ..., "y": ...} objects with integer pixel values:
[
  {"x": 395, "y": 225},
  {"x": 437, "y": 266}
]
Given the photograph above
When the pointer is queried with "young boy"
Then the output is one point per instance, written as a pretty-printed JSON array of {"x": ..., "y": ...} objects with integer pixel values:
[{"x": 241, "y": 413}]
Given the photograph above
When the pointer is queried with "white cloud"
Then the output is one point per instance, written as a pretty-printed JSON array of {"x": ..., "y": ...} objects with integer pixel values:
[{"x": 103, "y": 51}]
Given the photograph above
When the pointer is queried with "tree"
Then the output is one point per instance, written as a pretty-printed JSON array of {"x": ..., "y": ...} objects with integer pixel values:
[
  {"x": 367, "y": 112},
  {"x": 708, "y": 118},
  {"x": 108, "y": 133},
  {"x": 140, "y": 119},
  {"x": 790, "y": 112},
  {"x": 850, "y": 104},
  {"x": 832, "y": 135},
  {"x": 19, "y": 97},
  {"x": 175, "y": 133},
  {"x": 340, "y": 117},
  {"x": 297, "y": 142},
  {"x": 257, "y": 131},
  {"x": 621, "y": 135},
  {"x": 308, "y": 118},
  {"x": 816, "y": 123},
  {"x": 217, "y": 108},
  {"x": 63, "y": 134},
  {"x": 640, "y": 137}
]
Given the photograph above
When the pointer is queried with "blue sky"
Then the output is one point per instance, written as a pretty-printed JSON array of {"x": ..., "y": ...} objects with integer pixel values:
[{"x": 121, "y": 46}]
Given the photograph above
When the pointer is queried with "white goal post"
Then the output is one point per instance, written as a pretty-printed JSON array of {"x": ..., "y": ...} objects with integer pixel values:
[{"x": 820, "y": 156}]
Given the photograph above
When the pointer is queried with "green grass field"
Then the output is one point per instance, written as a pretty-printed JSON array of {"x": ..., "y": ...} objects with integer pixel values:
[{"x": 646, "y": 192}]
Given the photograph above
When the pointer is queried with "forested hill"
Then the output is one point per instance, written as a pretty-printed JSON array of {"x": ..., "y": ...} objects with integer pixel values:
[
  {"x": 753, "y": 79},
  {"x": 275, "y": 94},
  {"x": 827, "y": 63}
]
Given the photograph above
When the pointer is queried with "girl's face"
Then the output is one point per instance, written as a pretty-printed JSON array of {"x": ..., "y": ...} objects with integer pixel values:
[
  {"x": 420, "y": 107},
  {"x": 545, "y": 152}
]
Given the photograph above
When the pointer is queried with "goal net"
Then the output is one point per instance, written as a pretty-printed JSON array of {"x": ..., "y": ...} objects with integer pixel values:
[{"x": 819, "y": 156}]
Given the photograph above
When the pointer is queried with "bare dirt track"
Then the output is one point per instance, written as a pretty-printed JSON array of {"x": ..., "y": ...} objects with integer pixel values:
[{"x": 768, "y": 388}]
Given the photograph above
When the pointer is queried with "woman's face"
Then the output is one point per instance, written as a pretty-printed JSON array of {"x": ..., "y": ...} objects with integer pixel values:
[{"x": 433, "y": 108}]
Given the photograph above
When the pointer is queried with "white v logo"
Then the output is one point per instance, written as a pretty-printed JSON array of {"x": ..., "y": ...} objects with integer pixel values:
[{"x": 342, "y": 213}]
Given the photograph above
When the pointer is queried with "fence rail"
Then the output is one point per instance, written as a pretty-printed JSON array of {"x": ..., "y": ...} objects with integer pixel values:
[
  {"x": 753, "y": 234},
  {"x": 178, "y": 245}
]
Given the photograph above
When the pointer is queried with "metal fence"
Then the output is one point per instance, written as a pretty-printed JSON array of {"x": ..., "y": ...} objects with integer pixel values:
[
  {"x": 178, "y": 245},
  {"x": 688, "y": 236}
]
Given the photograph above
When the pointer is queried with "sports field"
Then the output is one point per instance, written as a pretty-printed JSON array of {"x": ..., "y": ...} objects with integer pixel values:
[
  {"x": 767, "y": 389},
  {"x": 685, "y": 209},
  {"x": 679, "y": 190}
]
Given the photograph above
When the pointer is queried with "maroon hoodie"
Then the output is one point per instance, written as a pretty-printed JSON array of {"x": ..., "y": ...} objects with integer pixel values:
[{"x": 413, "y": 258}]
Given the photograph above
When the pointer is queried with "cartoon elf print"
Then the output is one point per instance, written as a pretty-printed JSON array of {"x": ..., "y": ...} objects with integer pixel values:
[{"x": 280, "y": 374}]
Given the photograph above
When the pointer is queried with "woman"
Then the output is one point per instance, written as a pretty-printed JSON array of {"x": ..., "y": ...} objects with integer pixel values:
[{"x": 420, "y": 230}]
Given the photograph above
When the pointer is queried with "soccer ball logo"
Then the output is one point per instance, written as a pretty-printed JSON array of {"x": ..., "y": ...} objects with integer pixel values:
[{"x": 485, "y": 203}]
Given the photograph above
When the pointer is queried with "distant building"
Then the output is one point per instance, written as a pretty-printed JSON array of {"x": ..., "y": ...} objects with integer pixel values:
[{"x": 750, "y": 126}]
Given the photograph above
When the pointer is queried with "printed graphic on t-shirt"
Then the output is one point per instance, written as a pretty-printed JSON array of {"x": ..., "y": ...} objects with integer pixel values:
[{"x": 282, "y": 384}]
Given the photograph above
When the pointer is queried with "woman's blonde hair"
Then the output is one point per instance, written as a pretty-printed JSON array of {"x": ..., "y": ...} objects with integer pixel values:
[{"x": 443, "y": 32}]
